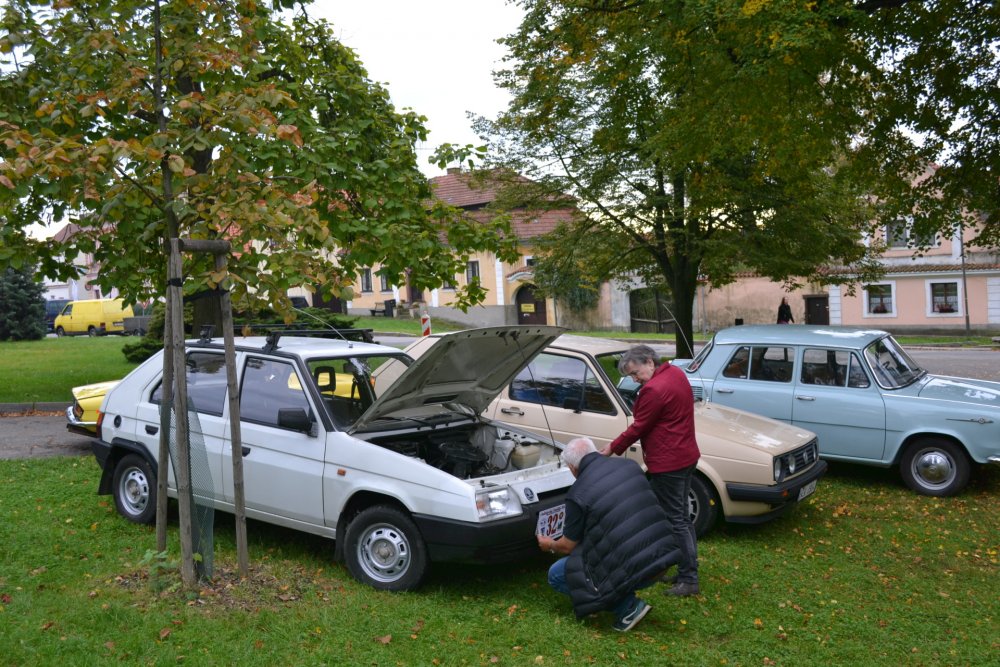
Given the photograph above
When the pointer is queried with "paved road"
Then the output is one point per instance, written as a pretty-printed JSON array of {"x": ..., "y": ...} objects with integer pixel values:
[
  {"x": 46, "y": 435},
  {"x": 39, "y": 435}
]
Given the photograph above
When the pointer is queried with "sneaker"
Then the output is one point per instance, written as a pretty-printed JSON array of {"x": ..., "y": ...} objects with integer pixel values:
[
  {"x": 683, "y": 589},
  {"x": 632, "y": 618}
]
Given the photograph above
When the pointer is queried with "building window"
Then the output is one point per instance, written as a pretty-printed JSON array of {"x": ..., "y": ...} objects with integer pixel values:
[
  {"x": 366, "y": 280},
  {"x": 899, "y": 234},
  {"x": 384, "y": 284},
  {"x": 879, "y": 300},
  {"x": 472, "y": 272},
  {"x": 944, "y": 298},
  {"x": 529, "y": 261}
]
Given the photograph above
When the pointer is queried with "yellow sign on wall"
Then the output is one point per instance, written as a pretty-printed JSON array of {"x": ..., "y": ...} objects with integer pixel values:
[{"x": 527, "y": 307}]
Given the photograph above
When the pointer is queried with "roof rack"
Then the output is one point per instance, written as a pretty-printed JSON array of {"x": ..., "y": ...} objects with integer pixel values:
[{"x": 274, "y": 332}]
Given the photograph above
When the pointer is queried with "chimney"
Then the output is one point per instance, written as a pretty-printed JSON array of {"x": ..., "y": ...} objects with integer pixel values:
[{"x": 454, "y": 170}]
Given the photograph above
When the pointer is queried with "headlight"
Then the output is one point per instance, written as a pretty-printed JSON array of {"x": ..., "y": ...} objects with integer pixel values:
[
  {"x": 779, "y": 471},
  {"x": 497, "y": 503}
]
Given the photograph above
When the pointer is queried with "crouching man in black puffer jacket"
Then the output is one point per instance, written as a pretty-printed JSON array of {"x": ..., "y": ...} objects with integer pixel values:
[{"x": 616, "y": 538}]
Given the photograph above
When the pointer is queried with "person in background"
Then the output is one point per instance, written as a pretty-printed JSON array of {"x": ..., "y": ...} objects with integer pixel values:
[
  {"x": 785, "y": 312},
  {"x": 615, "y": 540},
  {"x": 664, "y": 420}
]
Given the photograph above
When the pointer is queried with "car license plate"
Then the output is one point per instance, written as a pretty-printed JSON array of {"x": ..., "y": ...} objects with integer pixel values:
[
  {"x": 550, "y": 521},
  {"x": 807, "y": 490}
]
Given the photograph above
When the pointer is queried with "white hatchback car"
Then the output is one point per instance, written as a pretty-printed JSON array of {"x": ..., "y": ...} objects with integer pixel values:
[
  {"x": 355, "y": 442},
  {"x": 752, "y": 468}
]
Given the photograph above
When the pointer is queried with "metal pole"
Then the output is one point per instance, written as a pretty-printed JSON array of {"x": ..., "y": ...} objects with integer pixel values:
[{"x": 965, "y": 286}]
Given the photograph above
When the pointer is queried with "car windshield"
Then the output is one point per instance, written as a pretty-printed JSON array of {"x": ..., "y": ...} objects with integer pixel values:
[
  {"x": 349, "y": 385},
  {"x": 891, "y": 365},
  {"x": 700, "y": 358}
]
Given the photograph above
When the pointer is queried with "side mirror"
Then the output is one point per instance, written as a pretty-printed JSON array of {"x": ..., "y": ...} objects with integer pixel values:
[{"x": 295, "y": 419}]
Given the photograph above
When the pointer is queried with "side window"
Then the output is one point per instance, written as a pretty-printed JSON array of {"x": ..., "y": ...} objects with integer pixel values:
[
  {"x": 772, "y": 364},
  {"x": 856, "y": 376},
  {"x": 561, "y": 382},
  {"x": 825, "y": 367},
  {"x": 206, "y": 383},
  {"x": 269, "y": 386},
  {"x": 739, "y": 364}
]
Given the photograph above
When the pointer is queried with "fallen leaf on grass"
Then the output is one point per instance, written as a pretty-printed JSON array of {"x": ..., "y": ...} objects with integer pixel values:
[
  {"x": 384, "y": 640},
  {"x": 164, "y": 633}
]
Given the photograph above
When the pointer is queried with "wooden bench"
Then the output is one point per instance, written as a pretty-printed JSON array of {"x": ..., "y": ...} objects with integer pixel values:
[{"x": 387, "y": 308}]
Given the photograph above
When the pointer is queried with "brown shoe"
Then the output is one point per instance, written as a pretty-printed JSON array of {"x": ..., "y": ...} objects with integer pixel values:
[{"x": 683, "y": 589}]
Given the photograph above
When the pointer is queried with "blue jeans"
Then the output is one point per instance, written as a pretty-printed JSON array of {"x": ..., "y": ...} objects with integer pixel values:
[
  {"x": 557, "y": 580},
  {"x": 672, "y": 489}
]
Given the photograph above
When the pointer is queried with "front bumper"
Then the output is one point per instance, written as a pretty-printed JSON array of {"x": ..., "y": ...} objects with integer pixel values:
[
  {"x": 497, "y": 541},
  {"x": 785, "y": 493},
  {"x": 74, "y": 425}
]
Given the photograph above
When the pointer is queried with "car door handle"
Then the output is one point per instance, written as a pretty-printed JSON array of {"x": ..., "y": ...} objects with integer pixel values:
[
  {"x": 724, "y": 391},
  {"x": 245, "y": 450},
  {"x": 512, "y": 411},
  {"x": 152, "y": 430},
  {"x": 805, "y": 398}
]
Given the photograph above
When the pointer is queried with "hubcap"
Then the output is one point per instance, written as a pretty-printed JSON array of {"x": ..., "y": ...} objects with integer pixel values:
[
  {"x": 134, "y": 491},
  {"x": 384, "y": 553},
  {"x": 933, "y": 468}
]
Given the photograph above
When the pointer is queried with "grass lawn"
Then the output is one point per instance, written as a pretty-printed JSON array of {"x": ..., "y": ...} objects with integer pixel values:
[
  {"x": 863, "y": 573},
  {"x": 45, "y": 370}
]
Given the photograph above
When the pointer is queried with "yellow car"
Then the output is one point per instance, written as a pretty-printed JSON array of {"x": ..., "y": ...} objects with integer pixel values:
[{"x": 82, "y": 415}]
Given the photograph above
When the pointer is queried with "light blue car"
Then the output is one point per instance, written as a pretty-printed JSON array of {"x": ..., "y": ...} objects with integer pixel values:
[{"x": 861, "y": 393}]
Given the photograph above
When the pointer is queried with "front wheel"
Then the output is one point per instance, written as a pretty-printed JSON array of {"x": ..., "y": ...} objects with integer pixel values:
[
  {"x": 935, "y": 467},
  {"x": 384, "y": 549},
  {"x": 92, "y": 331},
  {"x": 703, "y": 505},
  {"x": 134, "y": 489},
  {"x": 60, "y": 332}
]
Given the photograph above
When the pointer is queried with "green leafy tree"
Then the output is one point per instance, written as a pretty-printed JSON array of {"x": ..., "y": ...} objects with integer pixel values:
[
  {"x": 22, "y": 306},
  {"x": 140, "y": 122},
  {"x": 704, "y": 137}
]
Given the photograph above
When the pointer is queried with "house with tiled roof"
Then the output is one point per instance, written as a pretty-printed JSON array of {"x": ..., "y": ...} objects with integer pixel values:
[{"x": 509, "y": 286}]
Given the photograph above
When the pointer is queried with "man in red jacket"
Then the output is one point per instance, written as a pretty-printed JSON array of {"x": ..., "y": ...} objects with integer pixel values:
[{"x": 664, "y": 421}]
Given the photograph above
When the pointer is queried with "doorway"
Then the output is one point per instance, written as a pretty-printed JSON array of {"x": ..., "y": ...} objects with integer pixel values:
[
  {"x": 817, "y": 309},
  {"x": 529, "y": 309}
]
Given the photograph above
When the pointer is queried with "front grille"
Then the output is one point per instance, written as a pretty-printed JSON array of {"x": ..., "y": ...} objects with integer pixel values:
[{"x": 805, "y": 457}]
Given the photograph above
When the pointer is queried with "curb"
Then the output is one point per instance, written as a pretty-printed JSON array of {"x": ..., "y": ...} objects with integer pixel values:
[{"x": 27, "y": 408}]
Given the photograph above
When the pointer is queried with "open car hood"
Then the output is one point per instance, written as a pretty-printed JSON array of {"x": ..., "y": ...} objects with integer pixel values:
[{"x": 467, "y": 368}]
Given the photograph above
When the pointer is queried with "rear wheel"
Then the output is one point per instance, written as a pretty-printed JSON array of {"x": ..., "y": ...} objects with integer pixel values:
[
  {"x": 703, "y": 505},
  {"x": 384, "y": 549},
  {"x": 935, "y": 467},
  {"x": 134, "y": 489}
]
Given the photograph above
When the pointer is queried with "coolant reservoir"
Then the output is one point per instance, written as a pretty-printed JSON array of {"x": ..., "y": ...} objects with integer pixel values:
[{"x": 525, "y": 456}]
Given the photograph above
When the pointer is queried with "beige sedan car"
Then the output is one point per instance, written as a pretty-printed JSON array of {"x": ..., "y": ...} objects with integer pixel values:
[{"x": 752, "y": 468}]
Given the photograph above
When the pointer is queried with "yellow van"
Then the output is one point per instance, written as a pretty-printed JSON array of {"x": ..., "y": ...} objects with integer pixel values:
[{"x": 94, "y": 317}]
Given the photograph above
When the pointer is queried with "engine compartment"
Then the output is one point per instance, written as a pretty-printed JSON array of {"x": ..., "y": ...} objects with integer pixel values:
[{"x": 470, "y": 450}]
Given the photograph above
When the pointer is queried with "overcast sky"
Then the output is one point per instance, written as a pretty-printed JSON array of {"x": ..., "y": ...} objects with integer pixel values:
[{"x": 435, "y": 57}]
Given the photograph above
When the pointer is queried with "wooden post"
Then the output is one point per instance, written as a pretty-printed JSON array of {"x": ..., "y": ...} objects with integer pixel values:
[
  {"x": 163, "y": 457},
  {"x": 239, "y": 499},
  {"x": 174, "y": 290}
]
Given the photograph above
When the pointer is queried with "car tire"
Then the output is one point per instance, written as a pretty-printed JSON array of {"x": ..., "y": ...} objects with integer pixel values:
[
  {"x": 60, "y": 332},
  {"x": 935, "y": 467},
  {"x": 92, "y": 331},
  {"x": 134, "y": 489},
  {"x": 384, "y": 549},
  {"x": 704, "y": 505}
]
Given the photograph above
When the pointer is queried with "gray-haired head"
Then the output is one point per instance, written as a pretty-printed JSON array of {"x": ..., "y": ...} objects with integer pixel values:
[
  {"x": 637, "y": 355},
  {"x": 575, "y": 450}
]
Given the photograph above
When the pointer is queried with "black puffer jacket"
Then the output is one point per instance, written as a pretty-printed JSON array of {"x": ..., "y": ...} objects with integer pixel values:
[{"x": 627, "y": 539}]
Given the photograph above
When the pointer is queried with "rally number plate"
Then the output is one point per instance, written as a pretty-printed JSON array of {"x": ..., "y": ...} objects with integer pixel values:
[{"x": 550, "y": 521}]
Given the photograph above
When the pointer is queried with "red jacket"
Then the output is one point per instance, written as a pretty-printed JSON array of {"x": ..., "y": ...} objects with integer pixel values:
[{"x": 664, "y": 421}]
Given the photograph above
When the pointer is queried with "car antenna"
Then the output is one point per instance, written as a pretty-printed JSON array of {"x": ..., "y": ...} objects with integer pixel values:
[
  {"x": 690, "y": 344},
  {"x": 302, "y": 311}
]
